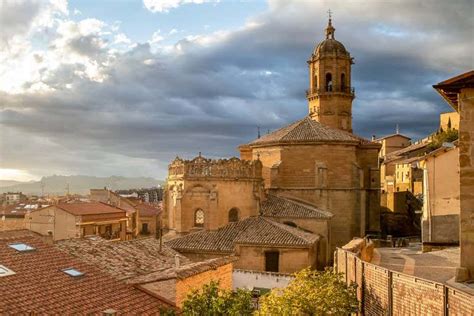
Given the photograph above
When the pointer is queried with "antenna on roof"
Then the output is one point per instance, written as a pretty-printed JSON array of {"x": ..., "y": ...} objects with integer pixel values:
[
  {"x": 258, "y": 131},
  {"x": 397, "y": 130}
]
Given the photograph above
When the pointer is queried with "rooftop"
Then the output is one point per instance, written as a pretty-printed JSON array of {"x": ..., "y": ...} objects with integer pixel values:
[
  {"x": 89, "y": 208},
  {"x": 450, "y": 88},
  {"x": 40, "y": 284},
  {"x": 278, "y": 206},
  {"x": 404, "y": 152},
  {"x": 147, "y": 209},
  {"x": 255, "y": 230},
  {"x": 125, "y": 260},
  {"x": 305, "y": 131},
  {"x": 137, "y": 261}
]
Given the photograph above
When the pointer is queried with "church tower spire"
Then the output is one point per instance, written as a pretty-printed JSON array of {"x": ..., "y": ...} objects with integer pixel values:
[{"x": 330, "y": 93}]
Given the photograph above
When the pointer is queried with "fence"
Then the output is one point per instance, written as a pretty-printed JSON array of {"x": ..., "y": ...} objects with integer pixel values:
[{"x": 385, "y": 292}]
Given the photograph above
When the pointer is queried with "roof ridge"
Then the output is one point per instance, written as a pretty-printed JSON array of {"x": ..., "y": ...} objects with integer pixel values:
[{"x": 292, "y": 230}]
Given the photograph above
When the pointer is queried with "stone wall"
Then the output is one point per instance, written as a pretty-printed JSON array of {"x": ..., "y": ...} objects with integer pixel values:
[
  {"x": 340, "y": 178},
  {"x": 251, "y": 279},
  {"x": 290, "y": 259},
  {"x": 466, "y": 162},
  {"x": 222, "y": 274},
  {"x": 12, "y": 223},
  {"x": 385, "y": 292}
]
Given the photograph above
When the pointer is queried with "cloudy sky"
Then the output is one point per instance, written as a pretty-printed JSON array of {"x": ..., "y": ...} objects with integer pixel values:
[{"x": 122, "y": 87}]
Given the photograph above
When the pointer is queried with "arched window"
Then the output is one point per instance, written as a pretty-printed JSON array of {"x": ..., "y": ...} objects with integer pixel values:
[
  {"x": 316, "y": 82},
  {"x": 233, "y": 215},
  {"x": 328, "y": 82},
  {"x": 199, "y": 218},
  {"x": 290, "y": 224},
  {"x": 343, "y": 82}
]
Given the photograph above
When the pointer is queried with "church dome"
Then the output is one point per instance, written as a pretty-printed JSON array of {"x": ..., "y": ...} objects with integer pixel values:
[{"x": 330, "y": 46}]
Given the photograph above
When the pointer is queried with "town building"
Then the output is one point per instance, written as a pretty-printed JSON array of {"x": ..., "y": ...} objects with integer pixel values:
[
  {"x": 11, "y": 198},
  {"x": 149, "y": 195},
  {"x": 155, "y": 268},
  {"x": 107, "y": 196},
  {"x": 459, "y": 93},
  {"x": 316, "y": 163},
  {"x": 78, "y": 219},
  {"x": 449, "y": 120},
  {"x": 38, "y": 278},
  {"x": 441, "y": 197},
  {"x": 143, "y": 217}
]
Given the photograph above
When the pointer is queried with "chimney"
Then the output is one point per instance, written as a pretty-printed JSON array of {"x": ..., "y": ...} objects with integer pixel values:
[
  {"x": 373, "y": 137},
  {"x": 176, "y": 261}
]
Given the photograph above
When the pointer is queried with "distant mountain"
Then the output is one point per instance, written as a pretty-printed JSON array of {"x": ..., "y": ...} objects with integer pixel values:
[
  {"x": 78, "y": 184},
  {"x": 8, "y": 183}
]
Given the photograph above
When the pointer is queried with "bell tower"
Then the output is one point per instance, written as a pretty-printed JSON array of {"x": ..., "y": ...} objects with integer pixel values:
[{"x": 330, "y": 93}]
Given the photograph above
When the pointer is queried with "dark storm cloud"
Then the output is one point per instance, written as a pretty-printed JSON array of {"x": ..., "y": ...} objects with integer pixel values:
[{"x": 211, "y": 96}]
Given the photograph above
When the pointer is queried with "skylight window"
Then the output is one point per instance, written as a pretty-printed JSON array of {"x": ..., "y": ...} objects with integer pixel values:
[
  {"x": 21, "y": 247},
  {"x": 73, "y": 272},
  {"x": 4, "y": 271}
]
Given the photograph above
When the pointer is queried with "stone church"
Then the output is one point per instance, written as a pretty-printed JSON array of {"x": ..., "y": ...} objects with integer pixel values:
[{"x": 312, "y": 185}]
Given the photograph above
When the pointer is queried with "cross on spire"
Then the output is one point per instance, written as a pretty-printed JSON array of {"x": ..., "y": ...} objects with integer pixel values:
[{"x": 330, "y": 29}]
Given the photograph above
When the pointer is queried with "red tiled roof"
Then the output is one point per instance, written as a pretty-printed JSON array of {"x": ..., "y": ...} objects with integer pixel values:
[
  {"x": 308, "y": 130},
  {"x": 252, "y": 230},
  {"x": 278, "y": 206},
  {"x": 40, "y": 287},
  {"x": 89, "y": 208},
  {"x": 146, "y": 209}
]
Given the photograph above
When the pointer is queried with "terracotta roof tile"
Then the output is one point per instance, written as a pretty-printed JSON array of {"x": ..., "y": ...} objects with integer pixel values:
[
  {"x": 40, "y": 286},
  {"x": 307, "y": 130},
  {"x": 89, "y": 208},
  {"x": 124, "y": 260},
  {"x": 277, "y": 206},
  {"x": 147, "y": 209},
  {"x": 252, "y": 230}
]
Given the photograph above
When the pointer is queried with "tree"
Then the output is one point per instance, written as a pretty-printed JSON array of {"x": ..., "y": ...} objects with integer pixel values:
[
  {"x": 312, "y": 293},
  {"x": 443, "y": 137},
  {"x": 210, "y": 300}
]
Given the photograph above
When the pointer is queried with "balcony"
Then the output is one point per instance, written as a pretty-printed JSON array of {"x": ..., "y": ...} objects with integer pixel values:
[{"x": 336, "y": 90}]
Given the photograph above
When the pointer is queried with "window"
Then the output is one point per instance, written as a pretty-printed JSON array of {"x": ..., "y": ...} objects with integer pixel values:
[
  {"x": 343, "y": 82},
  {"x": 233, "y": 215},
  {"x": 328, "y": 82},
  {"x": 4, "y": 271},
  {"x": 21, "y": 247},
  {"x": 73, "y": 272},
  {"x": 290, "y": 224},
  {"x": 316, "y": 81},
  {"x": 199, "y": 218},
  {"x": 272, "y": 259}
]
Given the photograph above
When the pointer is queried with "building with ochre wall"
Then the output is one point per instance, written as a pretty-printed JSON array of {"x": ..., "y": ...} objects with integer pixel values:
[{"x": 321, "y": 179}]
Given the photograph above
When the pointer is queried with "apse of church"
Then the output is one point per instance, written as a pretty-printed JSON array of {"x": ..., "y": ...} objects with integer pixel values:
[
  {"x": 314, "y": 161},
  {"x": 318, "y": 159}
]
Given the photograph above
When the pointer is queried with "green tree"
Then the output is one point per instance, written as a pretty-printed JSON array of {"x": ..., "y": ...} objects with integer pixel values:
[
  {"x": 443, "y": 137},
  {"x": 312, "y": 293},
  {"x": 210, "y": 300}
]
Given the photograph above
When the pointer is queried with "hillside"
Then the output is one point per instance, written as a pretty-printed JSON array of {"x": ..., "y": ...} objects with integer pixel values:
[{"x": 78, "y": 184}]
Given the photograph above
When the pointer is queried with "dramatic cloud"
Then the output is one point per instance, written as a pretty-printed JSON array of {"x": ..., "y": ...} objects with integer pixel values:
[
  {"x": 166, "y": 5},
  {"x": 92, "y": 101}
]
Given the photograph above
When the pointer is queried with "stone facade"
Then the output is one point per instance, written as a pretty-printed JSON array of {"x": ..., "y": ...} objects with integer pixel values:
[
  {"x": 316, "y": 160},
  {"x": 466, "y": 161},
  {"x": 208, "y": 194},
  {"x": 459, "y": 93},
  {"x": 441, "y": 203},
  {"x": 330, "y": 93}
]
